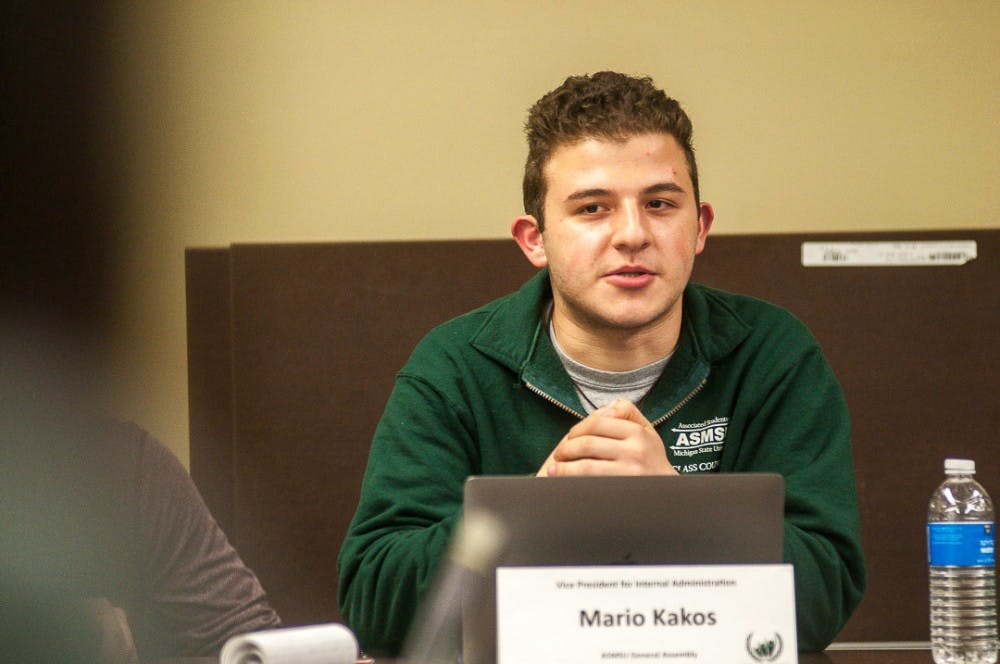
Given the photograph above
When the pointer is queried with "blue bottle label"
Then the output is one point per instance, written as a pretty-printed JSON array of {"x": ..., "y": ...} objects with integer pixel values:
[{"x": 964, "y": 544}]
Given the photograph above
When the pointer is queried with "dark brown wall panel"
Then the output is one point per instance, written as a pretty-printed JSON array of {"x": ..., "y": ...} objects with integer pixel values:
[
  {"x": 317, "y": 332},
  {"x": 915, "y": 349},
  {"x": 210, "y": 365}
]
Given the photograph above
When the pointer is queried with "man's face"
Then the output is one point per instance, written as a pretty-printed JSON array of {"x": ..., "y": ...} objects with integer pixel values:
[{"x": 621, "y": 232}]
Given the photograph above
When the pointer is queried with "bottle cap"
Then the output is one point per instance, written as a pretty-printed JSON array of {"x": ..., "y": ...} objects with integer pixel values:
[{"x": 959, "y": 466}]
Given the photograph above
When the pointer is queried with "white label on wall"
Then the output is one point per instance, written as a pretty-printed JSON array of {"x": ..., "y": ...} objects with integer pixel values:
[{"x": 853, "y": 254}]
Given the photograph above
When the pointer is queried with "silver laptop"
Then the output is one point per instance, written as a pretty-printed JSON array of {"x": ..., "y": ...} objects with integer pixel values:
[{"x": 690, "y": 519}]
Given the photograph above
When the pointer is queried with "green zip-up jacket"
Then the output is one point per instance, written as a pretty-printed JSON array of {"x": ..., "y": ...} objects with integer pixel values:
[{"x": 747, "y": 389}]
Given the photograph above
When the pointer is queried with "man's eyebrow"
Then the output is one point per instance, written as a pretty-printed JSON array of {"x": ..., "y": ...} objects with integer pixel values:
[
  {"x": 658, "y": 188},
  {"x": 588, "y": 193},
  {"x": 664, "y": 187}
]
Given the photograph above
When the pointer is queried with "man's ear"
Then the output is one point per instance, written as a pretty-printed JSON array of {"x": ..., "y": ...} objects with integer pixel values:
[
  {"x": 706, "y": 215},
  {"x": 529, "y": 239}
]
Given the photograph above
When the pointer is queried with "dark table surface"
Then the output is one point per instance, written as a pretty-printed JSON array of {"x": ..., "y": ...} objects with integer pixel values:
[
  {"x": 857, "y": 655},
  {"x": 867, "y": 656}
]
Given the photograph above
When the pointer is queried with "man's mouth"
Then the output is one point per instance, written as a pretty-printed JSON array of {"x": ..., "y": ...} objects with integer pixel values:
[
  {"x": 631, "y": 271},
  {"x": 630, "y": 277}
]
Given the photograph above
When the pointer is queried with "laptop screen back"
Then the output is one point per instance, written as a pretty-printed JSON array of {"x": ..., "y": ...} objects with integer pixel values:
[{"x": 690, "y": 519}]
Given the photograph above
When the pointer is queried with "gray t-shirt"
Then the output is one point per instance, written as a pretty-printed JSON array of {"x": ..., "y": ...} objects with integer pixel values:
[{"x": 597, "y": 388}]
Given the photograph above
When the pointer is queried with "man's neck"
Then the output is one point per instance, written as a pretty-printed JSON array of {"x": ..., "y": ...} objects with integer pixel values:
[{"x": 615, "y": 349}]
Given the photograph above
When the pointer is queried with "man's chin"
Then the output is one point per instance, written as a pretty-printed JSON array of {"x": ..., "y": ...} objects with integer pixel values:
[{"x": 631, "y": 321}]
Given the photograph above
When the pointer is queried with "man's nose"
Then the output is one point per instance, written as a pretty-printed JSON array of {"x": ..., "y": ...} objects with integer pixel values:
[{"x": 629, "y": 228}]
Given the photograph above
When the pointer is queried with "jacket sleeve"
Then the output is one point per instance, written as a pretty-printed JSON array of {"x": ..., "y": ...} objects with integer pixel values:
[
  {"x": 410, "y": 500},
  {"x": 800, "y": 428}
]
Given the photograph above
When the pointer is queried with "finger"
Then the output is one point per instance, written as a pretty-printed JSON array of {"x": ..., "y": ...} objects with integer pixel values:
[
  {"x": 605, "y": 424},
  {"x": 577, "y": 468},
  {"x": 544, "y": 470},
  {"x": 582, "y": 467},
  {"x": 587, "y": 447},
  {"x": 625, "y": 410},
  {"x": 549, "y": 468},
  {"x": 584, "y": 425}
]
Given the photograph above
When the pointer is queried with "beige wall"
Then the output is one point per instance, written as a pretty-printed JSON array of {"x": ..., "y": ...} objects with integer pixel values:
[{"x": 359, "y": 120}]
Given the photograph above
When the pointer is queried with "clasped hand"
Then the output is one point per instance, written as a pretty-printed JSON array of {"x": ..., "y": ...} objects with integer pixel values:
[{"x": 614, "y": 440}]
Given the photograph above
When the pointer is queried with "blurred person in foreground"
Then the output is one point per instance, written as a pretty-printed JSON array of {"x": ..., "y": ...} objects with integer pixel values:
[
  {"x": 106, "y": 542},
  {"x": 107, "y": 552},
  {"x": 607, "y": 362}
]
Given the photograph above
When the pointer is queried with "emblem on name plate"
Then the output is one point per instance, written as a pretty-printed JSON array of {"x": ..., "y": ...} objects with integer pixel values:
[{"x": 765, "y": 648}]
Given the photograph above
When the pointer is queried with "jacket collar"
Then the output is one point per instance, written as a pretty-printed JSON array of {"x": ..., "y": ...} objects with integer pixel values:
[{"x": 514, "y": 335}]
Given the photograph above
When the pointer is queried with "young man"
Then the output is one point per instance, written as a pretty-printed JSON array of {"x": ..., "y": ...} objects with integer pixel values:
[{"x": 603, "y": 363}]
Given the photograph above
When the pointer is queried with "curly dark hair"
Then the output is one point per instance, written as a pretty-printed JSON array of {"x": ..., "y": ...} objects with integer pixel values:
[{"x": 606, "y": 105}]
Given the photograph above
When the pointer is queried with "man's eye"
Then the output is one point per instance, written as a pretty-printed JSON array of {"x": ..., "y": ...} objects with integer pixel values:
[
  {"x": 593, "y": 208},
  {"x": 660, "y": 204}
]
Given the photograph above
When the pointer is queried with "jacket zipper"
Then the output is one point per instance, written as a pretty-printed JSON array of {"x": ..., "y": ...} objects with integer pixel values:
[
  {"x": 698, "y": 388},
  {"x": 552, "y": 400}
]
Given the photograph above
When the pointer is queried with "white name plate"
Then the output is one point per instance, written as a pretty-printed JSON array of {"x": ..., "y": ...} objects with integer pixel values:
[{"x": 663, "y": 613}]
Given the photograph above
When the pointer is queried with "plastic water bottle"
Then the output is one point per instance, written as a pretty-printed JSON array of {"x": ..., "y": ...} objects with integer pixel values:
[{"x": 960, "y": 544}]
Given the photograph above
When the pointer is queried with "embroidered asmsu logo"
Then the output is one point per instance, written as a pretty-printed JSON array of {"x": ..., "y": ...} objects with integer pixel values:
[{"x": 707, "y": 436}]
